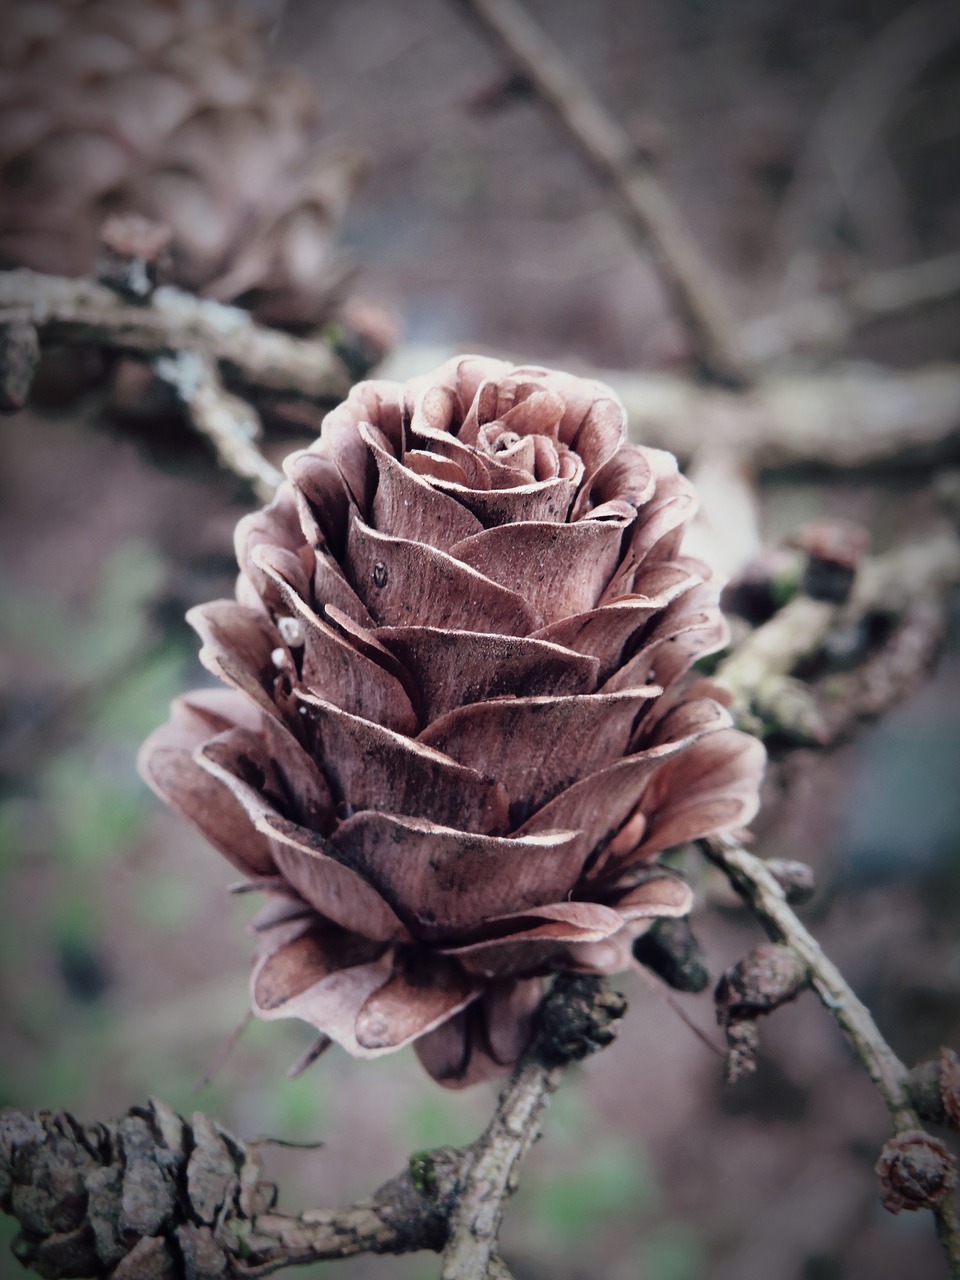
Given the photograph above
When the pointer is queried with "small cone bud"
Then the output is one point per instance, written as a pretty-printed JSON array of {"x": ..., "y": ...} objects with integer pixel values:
[
  {"x": 578, "y": 1018},
  {"x": 765, "y": 978},
  {"x": 670, "y": 949},
  {"x": 935, "y": 1089},
  {"x": 796, "y": 879},
  {"x": 916, "y": 1171},
  {"x": 835, "y": 549}
]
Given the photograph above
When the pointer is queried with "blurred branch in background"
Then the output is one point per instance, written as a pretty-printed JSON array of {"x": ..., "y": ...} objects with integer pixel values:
[
  {"x": 85, "y": 312},
  {"x": 849, "y": 127},
  {"x": 649, "y": 213},
  {"x": 846, "y": 417},
  {"x": 824, "y": 325}
]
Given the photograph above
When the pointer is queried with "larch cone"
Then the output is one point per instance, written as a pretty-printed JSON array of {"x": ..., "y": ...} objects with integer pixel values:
[
  {"x": 168, "y": 109},
  {"x": 461, "y": 723}
]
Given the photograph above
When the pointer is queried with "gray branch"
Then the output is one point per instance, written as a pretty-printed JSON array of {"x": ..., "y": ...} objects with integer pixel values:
[{"x": 259, "y": 359}]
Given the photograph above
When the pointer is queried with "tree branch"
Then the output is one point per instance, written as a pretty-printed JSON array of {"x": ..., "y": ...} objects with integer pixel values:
[
  {"x": 490, "y": 1174},
  {"x": 229, "y": 423},
  {"x": 647, "y": 210},
  {"x": 850, "y": 417},
  {"x": 766, "y": 898},
  {"x": 407, "y": 1213},
  {"x": 261, "y": 360}
]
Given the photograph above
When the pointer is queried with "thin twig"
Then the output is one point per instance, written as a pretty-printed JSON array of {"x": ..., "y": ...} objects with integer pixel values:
[
  {"x": 223, "y": 1052},
  {"x": 229, "y": 423},
  {"x": 661, "y": 992},
  {"x": 766, "y": 898},
  {"x": 260, "y": 359},
  {"x": 405, "y": 1214},
  {"x": 649, "y": 213}
]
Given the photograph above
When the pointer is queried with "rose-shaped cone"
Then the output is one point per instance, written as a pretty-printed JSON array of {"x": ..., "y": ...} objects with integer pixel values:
[{"x": 459, "y": 726}]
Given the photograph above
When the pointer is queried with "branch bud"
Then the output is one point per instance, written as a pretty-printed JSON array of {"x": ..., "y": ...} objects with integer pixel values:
[
  {"x": 835, "y": 549},
  {"x": 763, "y": 980},
  {"x": 916, "y": 1171},
  {"x": 19, "y": 357},
  {"x": 934, "y": 1088},
  {"x": 670, "y": 949},
  {"x": 796, "y": 879},
  {"x": 578, "y": 1017},
  {"x": 132, "y": 254},
  {"x": 743, "y": 1045}
]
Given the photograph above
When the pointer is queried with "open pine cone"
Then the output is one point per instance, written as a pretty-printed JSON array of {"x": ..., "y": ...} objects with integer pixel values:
[
  {"x": 166, "y": 108},
  {"x": 458, "y": 733}
]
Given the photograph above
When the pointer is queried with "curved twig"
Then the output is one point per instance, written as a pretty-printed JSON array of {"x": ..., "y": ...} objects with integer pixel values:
[{"x": 847, "y": 128}]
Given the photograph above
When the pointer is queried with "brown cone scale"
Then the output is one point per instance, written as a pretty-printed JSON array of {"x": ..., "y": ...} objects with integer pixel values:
[{"x": 461, "y": 724}]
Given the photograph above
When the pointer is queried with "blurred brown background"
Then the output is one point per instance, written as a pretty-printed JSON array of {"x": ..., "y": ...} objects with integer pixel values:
[{"x": 805, "y": 143}]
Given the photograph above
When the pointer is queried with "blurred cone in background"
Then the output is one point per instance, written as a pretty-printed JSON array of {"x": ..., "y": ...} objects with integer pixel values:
[{"x": 167, "y": 108}]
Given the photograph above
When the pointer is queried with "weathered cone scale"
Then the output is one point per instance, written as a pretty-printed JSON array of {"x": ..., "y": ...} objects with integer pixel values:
[
  {"x": 167, "y": 108},
  {"x": 461, "y": 723}
]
